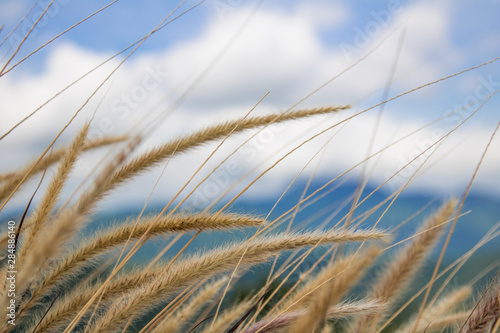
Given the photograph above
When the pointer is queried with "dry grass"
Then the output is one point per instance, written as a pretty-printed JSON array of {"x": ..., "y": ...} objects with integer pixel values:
[
  {"x": 487, "y": 314},
  {"x": 10, "y": 180},
  {"x": 188, "y": 291},
  {"x": 393, "y": 279}
]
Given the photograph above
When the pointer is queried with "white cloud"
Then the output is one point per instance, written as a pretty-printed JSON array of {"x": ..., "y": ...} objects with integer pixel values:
[
  {"x": 278, "y": 51},
  {"x": 10, "y": 9}
]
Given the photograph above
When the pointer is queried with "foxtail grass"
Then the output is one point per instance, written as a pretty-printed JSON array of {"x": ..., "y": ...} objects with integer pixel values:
[{"x": 72, "y": 280}]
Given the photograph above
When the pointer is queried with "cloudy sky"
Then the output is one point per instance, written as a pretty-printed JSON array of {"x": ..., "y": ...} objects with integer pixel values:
[{"x": 215, "y": 60}]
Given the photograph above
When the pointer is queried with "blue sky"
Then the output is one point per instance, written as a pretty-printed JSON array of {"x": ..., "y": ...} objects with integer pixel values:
[
  {"x": 288, "y": 48},
  {"x": 471, "y": 28}
]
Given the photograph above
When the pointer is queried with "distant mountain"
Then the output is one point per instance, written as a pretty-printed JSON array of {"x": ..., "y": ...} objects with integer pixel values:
[
  {"x": 332, "y": 204},
  {"x": 483, "y": 212}
]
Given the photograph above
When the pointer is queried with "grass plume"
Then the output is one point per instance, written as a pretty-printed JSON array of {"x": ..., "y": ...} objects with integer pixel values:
[
  {"x": 75, "y": 273},
  {"x": 392, "y": 280}
]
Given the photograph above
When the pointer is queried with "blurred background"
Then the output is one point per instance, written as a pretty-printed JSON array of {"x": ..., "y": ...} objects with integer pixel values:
[
  {"x": 218, "y": 58},
  {"x": 214, "y": 60}
]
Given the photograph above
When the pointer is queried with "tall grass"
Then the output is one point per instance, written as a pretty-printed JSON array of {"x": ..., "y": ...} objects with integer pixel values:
[{"x": 67, "y": 280}]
